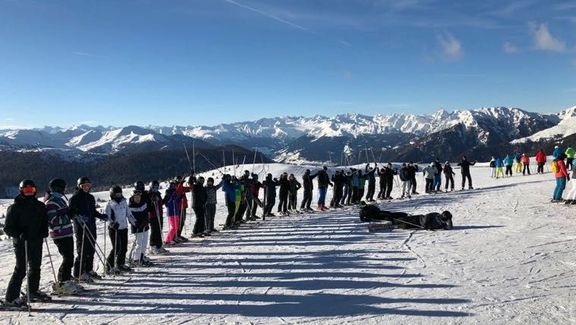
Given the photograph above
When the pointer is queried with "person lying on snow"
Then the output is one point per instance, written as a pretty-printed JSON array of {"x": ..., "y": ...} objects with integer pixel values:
[{"x": 429, "y": 221}]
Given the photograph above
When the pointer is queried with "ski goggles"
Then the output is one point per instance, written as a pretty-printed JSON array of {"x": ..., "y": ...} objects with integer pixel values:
[{"x": 28, "y": 190}]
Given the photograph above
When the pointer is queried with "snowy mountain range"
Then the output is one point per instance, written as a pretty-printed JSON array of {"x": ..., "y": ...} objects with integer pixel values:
[{"x": 317, "y": 138}]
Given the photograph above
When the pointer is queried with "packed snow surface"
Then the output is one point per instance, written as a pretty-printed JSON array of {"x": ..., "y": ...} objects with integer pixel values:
[{"x": 510, "y": 259}]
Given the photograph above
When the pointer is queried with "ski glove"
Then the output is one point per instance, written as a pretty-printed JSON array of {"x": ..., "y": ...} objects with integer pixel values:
[{"x": 114, "y": 226}]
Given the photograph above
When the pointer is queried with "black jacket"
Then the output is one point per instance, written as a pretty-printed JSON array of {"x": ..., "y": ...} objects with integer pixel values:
[
  {"x": 323, "y": 179},
  {"x": 465, "y": 166},
  {"x": 199, "y": 196},
  {"x": 307, "y": 181},
  {"x": 28, "y": 217},
  {"x": 83, "y": 205}
]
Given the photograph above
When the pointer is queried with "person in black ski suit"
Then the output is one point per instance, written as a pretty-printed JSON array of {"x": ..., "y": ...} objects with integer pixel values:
[
  {"x": 198, "y": 205},
  {"x": 308, "y": 188},
  {"x": 323, "y": 183},
  {"x": 156, "y": 218},
  {"x": 370, "y": 175},
  {"x": 283, "y": 195},
  {"x": 339, "y": 180},
  {"x": 413, "y": 169},
  {"x": 386, "y": 175},
  {"x": 269, "y": 195},
  {"x": 293, "y": 196},
  {"x": 465, "y": 170},
  {"x": 347, "y": 191},
  {"x": 449, "y": 174},
  {"x": 27, "y": 224},
  {"x": 83, "y": 211}
]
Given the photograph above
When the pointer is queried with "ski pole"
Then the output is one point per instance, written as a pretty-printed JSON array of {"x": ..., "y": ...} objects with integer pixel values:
[
  {"x": 50, "y": 257},
  {"x": 81, "y": 266},
  {"x": 105, "y": 240},
  {"x": 27, "y": 278},
  {"x": 115, "y": 249},
  {"x": 92, "y": 240}
]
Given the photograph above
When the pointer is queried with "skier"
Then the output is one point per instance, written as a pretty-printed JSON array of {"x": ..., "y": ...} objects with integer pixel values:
[
  {"x": 27, "y": 224},
  {"x": 561, "y": 176},
  {"x": 183, "y": 186},
  {"x": 413, "y": 169},
  {"x": 323, "y": 183},
  {"x": 210, "y": 207},
  {"x": 406, "y": 181},
  {"x": 356, "y": 181},
  {"x": 492, "y": 167},
  {"x": 437, "y": 175},
  {"x": 508, "y": 162},
  {"x": 240, "y": 200},
  {"x": 571, "y": 197},
  {"x": 172, "y": 203},
  {"x": 449, "y": 174},
  {"x": 518, "y": 162},
  {"x": 541, "y": 161},
  {"x": 229, "y": 189},
  {"x": 119, "y": 216},
  {"x": 84, "y": 214},
  {"x": 62, "y": 233},
  {"x": 140, "y": 227},
  {"x": 293, "y": 195},
  {"x": 199, "y": 199},
  {"x": 499, "y": 168},
  {"x": 269, "y": 195},
  {"x": 156, "y": 219},
  {"x": 428, "y": 174},
  {"x": 570, "y": 152},
  {"x": 386, "y": 174},
  {"x": 283, "y": 194},
  {"x": 347, "y": 190},
  {"x": 254, "y": 189},
  {"x": 465, "y": 171},
  {"x": 370, "y": 175},
  {"x": 526, "y": 163},
  {"x": 308, "y": 188}
]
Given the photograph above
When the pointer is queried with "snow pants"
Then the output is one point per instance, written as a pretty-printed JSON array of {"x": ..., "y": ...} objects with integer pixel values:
[
  {"x": 66, "y": 250},
  {"x": 173, "y": 225},
  {"x": 200, "y": 223},
  {"x": 209, "y": 215},
  {"x": 119, "y": 240},
  {"x": 572, "y": 194},
  {"x": 141, "y": 245},
  {"x": 33, "y": 264},
  {"x": 560, "y": 186}
]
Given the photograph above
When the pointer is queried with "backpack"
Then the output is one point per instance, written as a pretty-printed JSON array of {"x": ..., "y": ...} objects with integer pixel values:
[{"x": 554, "y": 166}]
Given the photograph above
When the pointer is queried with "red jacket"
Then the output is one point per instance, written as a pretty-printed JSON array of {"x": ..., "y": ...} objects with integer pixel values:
[
  {"x": 540, "y": 157},
  {"x": 525, "y": 160},
  {"x": 561, "y": 170}
]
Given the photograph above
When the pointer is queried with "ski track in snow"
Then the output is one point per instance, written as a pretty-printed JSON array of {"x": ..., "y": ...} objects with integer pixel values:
[{"x": 510, "y": 259}]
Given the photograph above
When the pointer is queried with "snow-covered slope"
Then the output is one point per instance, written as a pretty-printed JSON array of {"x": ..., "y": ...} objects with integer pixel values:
[
  {"x": 566, "y": 127},
  {"x": 509, "y": 260}
]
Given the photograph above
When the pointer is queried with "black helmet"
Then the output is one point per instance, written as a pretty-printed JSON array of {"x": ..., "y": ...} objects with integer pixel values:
[
  {"x": 139, "y": 186},
  {"x": 115, "y": 190},
  {"x": 57, "y": 185},
  {"x": 83, "y": 180},
  {"x": 27, "y": 183}
]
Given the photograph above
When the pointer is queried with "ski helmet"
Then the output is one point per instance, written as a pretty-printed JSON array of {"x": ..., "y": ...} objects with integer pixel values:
[
  {"x": 114, "y": 190},
  {"x": 83, "y": 180},
  {"x": 27, "y": 186},
  {"x": 57, "y": 185},
  {"x": 139, "y": 186}
]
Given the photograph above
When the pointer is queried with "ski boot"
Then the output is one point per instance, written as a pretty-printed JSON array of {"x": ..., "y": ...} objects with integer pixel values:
[
  {"x": 94, "y": 275},
  {"x": 17, "y": 304},
  {"x": 38, "y": 296}
]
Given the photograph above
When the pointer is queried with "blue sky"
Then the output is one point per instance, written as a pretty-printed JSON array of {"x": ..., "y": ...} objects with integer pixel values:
[{"x": 204, "y": 62}]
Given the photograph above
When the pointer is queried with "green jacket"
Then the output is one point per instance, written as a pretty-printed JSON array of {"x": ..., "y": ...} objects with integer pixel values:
[{"x": 570, "y": 152}]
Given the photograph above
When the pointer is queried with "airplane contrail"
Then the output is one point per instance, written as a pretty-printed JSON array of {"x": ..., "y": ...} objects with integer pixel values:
[{"x": 269, "y": 15}]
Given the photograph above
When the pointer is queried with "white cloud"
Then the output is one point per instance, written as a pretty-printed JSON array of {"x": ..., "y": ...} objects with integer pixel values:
[
  {"x": 451, "y": 47},
  {"x": 510, "y": 48},
  {"x": 544, "y": 40}
]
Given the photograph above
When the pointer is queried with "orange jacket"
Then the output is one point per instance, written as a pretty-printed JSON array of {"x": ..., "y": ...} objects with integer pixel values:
[
  {"x": 525, "y": 160},
  {"x": 561, "y": 170}
]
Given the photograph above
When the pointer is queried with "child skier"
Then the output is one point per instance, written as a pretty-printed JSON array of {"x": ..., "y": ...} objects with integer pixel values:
[
  {"x": 119, "y": 215},
  {"x": 210, "y": 207},
  {"x": 156, "y": 219},
  {"x": 140, "y": 227},
  {"x": 172, "y": 202},
  {"x": 293, "y": 195}
]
